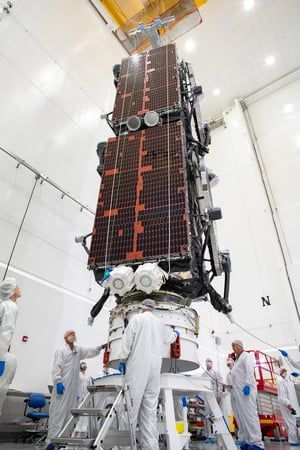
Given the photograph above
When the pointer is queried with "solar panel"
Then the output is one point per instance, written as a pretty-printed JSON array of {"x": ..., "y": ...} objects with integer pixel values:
[
  {"x": 147, "y": 82},
  {"x": 142, "y": 206}
]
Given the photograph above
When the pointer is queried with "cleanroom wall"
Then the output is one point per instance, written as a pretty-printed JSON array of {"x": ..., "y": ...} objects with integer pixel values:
[
  {"x": 258, "y": 196},
  {"x": 55, "y": 82},
  {"x": 277, "y": 147}
]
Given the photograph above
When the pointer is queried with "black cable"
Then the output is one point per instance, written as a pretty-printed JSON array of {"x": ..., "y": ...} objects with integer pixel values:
[
  {"x": 253, "y": 335},
  {"x": 37, "y": 177},
  {"x": 267, "y": 343}
]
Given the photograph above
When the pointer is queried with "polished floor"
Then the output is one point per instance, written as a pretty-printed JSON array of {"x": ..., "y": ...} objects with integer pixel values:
[{"x": 194, "y": 445}]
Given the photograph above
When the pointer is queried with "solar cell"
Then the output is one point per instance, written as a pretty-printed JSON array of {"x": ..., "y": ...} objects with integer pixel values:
[{"x": 147, "y": 82}]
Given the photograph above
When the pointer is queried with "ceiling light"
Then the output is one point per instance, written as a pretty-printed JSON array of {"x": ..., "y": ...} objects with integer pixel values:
[
  {"x": 248, "y": 4},
  {"x": 288, "y": 108},
  {"x": 190, "y": 45},
  {"x": 270, "y": 60},
  {"x": 216, "y": 91}
]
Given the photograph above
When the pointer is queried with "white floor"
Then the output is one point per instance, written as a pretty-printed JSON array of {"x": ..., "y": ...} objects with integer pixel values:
[{"x": 194, "y": 445}]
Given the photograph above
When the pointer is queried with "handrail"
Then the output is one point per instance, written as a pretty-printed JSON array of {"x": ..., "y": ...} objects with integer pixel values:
[{"x": 43, "y": 178}]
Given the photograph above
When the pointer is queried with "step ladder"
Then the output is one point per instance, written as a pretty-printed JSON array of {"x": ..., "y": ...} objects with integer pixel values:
[
  {"x": 91, "y": 427},
  {"x": 112, "y": 426}
]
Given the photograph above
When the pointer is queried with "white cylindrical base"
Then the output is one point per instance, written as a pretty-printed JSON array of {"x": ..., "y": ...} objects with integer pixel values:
[{"x": 172, "y": 313}]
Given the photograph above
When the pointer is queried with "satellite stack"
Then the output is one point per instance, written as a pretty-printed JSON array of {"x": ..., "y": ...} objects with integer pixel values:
[{"x": 154, "y": 232}]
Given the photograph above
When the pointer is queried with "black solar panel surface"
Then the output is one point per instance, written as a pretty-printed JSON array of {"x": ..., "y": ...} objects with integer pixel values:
[
  {"x": 147, "y": 82},
  {"x": 142, "y": 207}
]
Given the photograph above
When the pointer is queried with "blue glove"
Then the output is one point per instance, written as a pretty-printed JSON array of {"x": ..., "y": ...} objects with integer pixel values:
[
  {"x": 246, "y": 390},
  {"x": 2, "y": 367},
  {"x": 60, "y": 388},
  {"x": 122, "y": 368},
  {"x": 283, "y": 352},
  {"x": 103, "y": 346},
  {"x": 295, "y": 374},
  {"x": 177, "y": 332}
]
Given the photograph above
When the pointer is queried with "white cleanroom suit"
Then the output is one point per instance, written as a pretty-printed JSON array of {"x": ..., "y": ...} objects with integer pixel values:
[
  {"x": 84, "y": 381},
  {"x": 240, "y": 436},
  {"x": 288, "y": 418},
  {"x": 245, "y": 405},
  {"x": 141, "y": 347},
  {"x": 216, "y": 383},
  {"x": 8, "y": 318},
  {"x": 83, "y": 423},
  {"x": 66, "y": 370}
]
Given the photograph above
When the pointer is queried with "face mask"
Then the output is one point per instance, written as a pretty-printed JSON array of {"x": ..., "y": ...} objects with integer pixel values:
[
  {"x": 229, "y": 365},
  {"x": 283, "y": 374},
  {"x": 71, "y": 338},
  {"x": 83, "y": 367}
]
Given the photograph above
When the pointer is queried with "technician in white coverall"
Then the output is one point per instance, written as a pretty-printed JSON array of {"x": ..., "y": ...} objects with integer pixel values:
[
  {"x": 84, "y": 381},
  {"x": 216, "y": 384},
  {"x": 244, "y": 393},
  {"x": 9, "y": 293},
  {"x": 286, "y": 407},
  {"x": 141, "y": 348},
  {"x": 65, "y": 376},
  {"x": 230, "y": 363},
  {"x": 216, "y": 380}
]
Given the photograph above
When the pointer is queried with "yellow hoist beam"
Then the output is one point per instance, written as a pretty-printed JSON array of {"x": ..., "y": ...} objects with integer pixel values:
[{"x": 122, "y": 11}]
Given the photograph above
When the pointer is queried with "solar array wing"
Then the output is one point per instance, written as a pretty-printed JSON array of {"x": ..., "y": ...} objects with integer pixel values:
[
  {"x": 141, "y": 212},
  {"x": 142, "y": 205},
  {"x": 147, "y": 82}
]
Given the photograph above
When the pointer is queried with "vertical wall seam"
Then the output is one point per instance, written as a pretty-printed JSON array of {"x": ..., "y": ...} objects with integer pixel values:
[{"x": 241, "y": 105}]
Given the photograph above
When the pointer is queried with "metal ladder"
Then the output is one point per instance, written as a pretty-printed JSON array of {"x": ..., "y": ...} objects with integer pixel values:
[
  {"x": 99, "y": 431},
  {"x": 102, "y": 432}
]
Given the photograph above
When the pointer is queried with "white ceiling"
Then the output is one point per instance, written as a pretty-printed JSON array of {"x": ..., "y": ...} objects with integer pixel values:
[{"x": 231, "y": 45}]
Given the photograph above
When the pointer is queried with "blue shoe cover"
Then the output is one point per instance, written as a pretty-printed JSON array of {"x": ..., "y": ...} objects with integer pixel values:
[
  {"x": 238, "y": 442},
  {"x": 2, "y": 367},
  {"x": 50, "y": 447},
  {"x": 209, "y": 441},
  {"x": 245, "y": 446}
]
